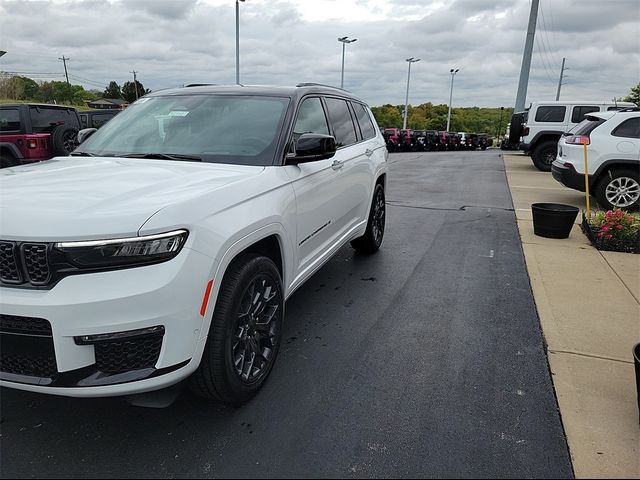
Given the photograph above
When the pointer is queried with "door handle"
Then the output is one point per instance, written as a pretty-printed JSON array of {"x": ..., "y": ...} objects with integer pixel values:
[
  {"x": 368, "y": 152},
  {"x": 337, "y": 165}
]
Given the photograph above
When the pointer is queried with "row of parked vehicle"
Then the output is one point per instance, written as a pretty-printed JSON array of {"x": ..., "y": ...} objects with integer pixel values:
[{"x": 404, "y": 140}]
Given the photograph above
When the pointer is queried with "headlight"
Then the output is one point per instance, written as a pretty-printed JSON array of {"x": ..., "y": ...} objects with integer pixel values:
[{"x": 124, "y": 252}]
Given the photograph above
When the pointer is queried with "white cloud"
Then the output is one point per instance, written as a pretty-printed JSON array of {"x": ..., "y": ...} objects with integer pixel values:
[{"x": 177, "y": 42}]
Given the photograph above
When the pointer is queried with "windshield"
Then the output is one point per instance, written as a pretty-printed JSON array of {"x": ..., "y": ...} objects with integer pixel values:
[{"x": 214, "y": 128}]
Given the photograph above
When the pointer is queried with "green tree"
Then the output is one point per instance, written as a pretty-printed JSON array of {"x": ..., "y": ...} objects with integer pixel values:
[
  {"x": 129, "y": 91},
  {"x": 112, "y": 91},
  {"x": 634, "y": 95}
]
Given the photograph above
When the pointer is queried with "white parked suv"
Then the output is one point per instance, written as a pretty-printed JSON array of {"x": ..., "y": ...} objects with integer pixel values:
[
  {"x": 166, "y": 246},
  {"x": 547, "y": 121},
  {"x": 613, "y": 158}
]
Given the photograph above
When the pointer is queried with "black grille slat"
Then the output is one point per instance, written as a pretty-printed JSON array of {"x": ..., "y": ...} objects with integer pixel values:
[
  {"x": 9, "y": 269},
  {"x": 36, "y": 263},
  {"x": 24, "y": 325},
  {"x": 125, "y": 355}
]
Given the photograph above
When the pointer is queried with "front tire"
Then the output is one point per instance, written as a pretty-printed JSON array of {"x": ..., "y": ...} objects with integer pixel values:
[
  {"x": 620, "y": 189},
  {"x": 245, "y": 333},
  {"x": 544, "y": 155},
  {"x": 372, "y": 239}
]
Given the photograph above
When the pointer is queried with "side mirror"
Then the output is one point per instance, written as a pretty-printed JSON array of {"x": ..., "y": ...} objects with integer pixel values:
[
  {"x": 85, "y": 133},
  {"x": 311, "y": 147}
]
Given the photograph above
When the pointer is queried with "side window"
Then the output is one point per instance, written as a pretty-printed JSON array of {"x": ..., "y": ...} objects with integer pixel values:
[
  {"x": 9, "y": 120},
  {"x": 83, "y": 120},
  {"x": 100, "y": 119},
  {"x": 44, "y": 119},
  {"x": 311, "y": 118},
  {"x": 364, "y": 120},
  {"x": 579, "y": 112},
  {"x": 629, "y": 128},
  {"x": 550, "y": 114},
  {"x": 341, "y": 122}
]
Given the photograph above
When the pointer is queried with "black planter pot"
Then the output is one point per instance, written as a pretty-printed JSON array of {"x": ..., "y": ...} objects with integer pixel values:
[{"x": 553, "y": 220}]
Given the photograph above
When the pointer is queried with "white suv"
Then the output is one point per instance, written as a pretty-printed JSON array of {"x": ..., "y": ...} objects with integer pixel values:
[
  {"x": 613, "y": 154},
  {"x": 166, "y": 246},
  {"x": 547, "y": 121}
]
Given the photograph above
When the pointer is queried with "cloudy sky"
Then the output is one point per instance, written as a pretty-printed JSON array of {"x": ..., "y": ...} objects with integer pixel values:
[{"x": 283, "y": 42}]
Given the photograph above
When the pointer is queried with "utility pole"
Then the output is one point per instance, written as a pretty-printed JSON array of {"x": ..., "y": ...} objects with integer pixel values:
[
  {"x": 64, "y": 61},
  {"x": 135, "y": 82},
  {"x": 560, "y": 81},
  {"x": 526, "y": 57}
]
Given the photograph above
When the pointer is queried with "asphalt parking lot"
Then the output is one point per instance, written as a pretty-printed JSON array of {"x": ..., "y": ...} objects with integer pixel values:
[{"x": 425, "y": 360}]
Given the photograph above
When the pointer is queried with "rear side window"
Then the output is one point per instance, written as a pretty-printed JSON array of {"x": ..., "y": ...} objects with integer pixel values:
[
  {"x": 579, "y": 112},
  {"x": 44, "y": 119},
  {"x": 9, "y": 120},
  {"x": 100, "y": 119},
  {"x": 550, "y": 114},
  {"x": 586, "y": 126},
  {"x": 341, "y": 122},
  {"x": 364, "y": 120},
  {"x": 629, "y": 128}
]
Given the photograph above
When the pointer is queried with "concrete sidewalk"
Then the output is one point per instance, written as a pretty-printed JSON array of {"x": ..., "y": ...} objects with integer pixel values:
[{"x": 589, "y": 307}]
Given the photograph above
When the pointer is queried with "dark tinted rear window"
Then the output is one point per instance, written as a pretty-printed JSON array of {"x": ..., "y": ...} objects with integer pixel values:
[
  {"x": 550, "y": 114},
  {"x": 44, "y": 119},
  {"x": 578, "y": 113},
  {"x": 586, "y": 126},
  {"x": 364, "y": 120},
  {"x": 629, "y": 128},
  {"x": 9, "y": 120},
  {"x": 341, "y": 121}
]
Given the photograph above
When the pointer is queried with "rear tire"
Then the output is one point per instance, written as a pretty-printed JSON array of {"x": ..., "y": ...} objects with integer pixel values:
[
  {"x": 245, "y": 332},
  {"x": 8, "y": 161},
  {"x": 621, "y": 190},
  {"x": 372, "y": 239},
  {"x": 544, "y": 155}
]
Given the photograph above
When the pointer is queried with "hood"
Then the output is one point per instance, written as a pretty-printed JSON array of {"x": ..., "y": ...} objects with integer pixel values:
[{"x": 76, "y": 198}]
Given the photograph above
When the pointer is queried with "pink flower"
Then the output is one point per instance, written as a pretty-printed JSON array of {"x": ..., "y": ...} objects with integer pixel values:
[
  {"x": 600, "y": 235},
  {"x": 608, "y": 214},
  {"x": 604, "y": 229},
  {"x": 619, "y": 227},
  {"x": 609, "y": 236}
]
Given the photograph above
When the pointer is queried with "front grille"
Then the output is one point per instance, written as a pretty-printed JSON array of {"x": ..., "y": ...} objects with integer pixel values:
[
  {"x": 24, "y": 325},
  {"x": 36, "y": 263},
  {"x": 25, "y": 263},
  {"x": 43, "y": 366},
  {"x": 130, "y": 354},
  {"x": 9, "y": 270}
]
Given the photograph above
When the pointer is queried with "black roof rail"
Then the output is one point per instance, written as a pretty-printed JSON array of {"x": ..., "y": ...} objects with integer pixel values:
[
  {"x": 628, "y": 109},
  {"x": 312, "y": 84},
  {"x": 199, "y": 84}
]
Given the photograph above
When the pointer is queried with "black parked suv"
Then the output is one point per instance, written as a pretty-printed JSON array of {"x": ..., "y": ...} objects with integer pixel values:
[{"x": 96, "y": 118}]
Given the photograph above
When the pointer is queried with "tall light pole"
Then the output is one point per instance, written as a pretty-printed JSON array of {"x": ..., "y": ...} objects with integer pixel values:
[
  {"x": 526, "y": 57},
  {"x": 2, "y": 52},
  {"x": 406, "y": 98},
  {"x": 453, "y": 74},
  {"x": 238, "y": 41},
  {"x": 344, "y": 41}
]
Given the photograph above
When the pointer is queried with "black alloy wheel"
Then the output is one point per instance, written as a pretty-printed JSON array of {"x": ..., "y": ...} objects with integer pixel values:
[
  {"x": 245, "y": 332},
  {"x": 372, "y": 239},
  {"x": 257, "y": 329}
]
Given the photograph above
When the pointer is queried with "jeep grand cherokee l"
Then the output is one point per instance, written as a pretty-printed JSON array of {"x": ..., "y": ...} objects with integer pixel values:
[{"x": 166, "y": 246}]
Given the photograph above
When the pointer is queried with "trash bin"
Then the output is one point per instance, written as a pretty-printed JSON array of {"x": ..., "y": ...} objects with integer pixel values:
[
  {"x": 553, "y": 220},
  {"x": 636, "y": 363}
]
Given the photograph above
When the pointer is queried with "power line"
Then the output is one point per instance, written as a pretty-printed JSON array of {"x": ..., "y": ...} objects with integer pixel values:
[
  {"x": 546, "y": 35},
  {"x": 547, "y": 68}
]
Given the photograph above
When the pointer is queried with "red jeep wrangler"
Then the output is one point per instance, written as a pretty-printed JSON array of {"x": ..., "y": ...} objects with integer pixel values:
[{"x": 32, "y": 132}]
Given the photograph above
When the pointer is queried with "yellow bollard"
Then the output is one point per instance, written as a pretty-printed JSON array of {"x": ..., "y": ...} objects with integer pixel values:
[{"x": 586, "y": 182}]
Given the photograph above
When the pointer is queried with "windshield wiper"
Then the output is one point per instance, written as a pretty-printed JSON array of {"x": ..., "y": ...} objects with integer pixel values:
[
  {"x": 82, "y": 154},
  {"x": 164, "y": 156}
]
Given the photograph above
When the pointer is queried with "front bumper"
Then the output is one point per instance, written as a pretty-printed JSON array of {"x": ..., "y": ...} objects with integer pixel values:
[{"x": 69, "y": 340}]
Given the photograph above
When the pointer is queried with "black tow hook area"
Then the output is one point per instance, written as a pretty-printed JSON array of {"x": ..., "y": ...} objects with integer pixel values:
[{"x": 156, "y": 399}]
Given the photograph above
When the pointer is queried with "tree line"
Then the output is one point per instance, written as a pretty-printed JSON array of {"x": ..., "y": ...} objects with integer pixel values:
[
  {"x": 428, "y": 116},
  {"x": 21, "y": 88}
]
